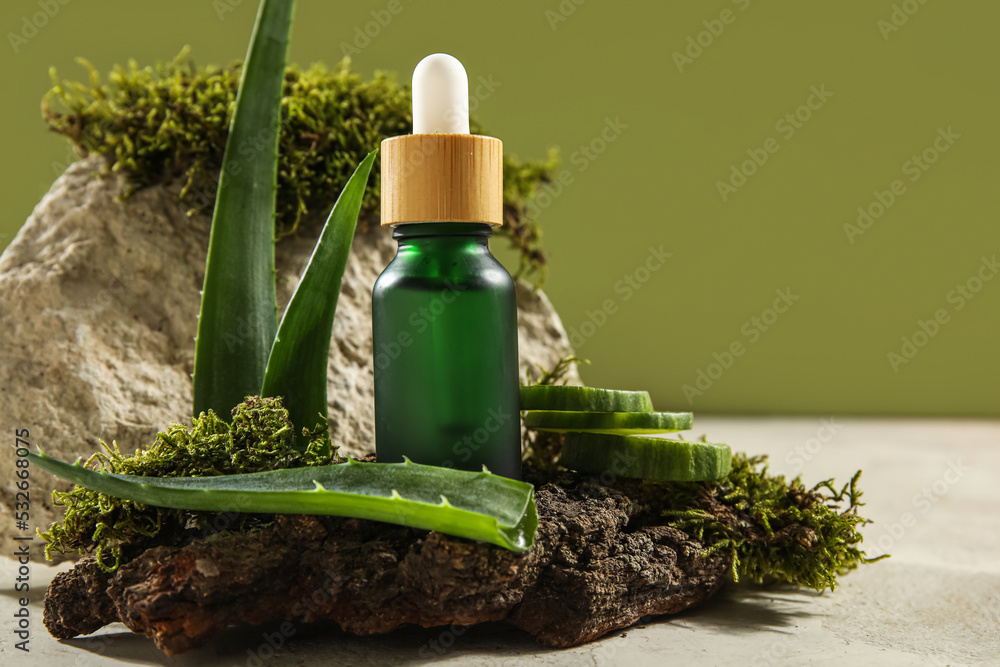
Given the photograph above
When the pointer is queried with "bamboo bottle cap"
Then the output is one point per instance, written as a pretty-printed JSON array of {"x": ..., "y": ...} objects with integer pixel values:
[
  {"x": 442, "y": 178},
  {"x": 441, "y": 173}
]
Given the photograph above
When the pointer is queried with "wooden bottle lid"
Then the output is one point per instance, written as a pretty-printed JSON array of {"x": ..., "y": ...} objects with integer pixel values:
[{"x": 442, "y": 178}]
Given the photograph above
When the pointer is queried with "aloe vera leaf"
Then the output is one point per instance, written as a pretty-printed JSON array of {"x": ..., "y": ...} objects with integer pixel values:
[
  {"x": 296, "y": 369},
  {"x": 616, "y": 423},
  {"x": 238, "y": 306},
  {"x": 475, "y": 505},
  {"x": 560, "y": 397},
  {"x": 646, "y": 457}
]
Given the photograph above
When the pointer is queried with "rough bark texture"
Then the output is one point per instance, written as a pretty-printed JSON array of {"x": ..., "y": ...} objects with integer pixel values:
[
  {"x": 602, "y": 560},
  {"x": 83, "y": 605}
]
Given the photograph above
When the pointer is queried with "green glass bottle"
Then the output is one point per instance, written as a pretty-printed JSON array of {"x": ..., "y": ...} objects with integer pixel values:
[
  {"x": 444, "y": 324},
  {"x": 444, "y": 314}
]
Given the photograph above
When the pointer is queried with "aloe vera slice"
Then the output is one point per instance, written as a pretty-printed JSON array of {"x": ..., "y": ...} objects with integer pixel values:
[
  {"x": 614, "y": 423},
  {"x": 645, "y": 457},
  {"x": 475, "y": 505},
  {"x": 558, "y": 397}
]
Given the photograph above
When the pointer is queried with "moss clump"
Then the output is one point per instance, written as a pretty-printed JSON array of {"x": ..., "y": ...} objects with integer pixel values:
[
  {"x": 259, "y": 438},
  {"x": 773, "y": 529},
  {"x": 171, "y": 121}
]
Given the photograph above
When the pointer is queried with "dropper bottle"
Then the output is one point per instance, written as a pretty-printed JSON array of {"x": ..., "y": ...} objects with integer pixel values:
[{"x": 444, "y": 315}]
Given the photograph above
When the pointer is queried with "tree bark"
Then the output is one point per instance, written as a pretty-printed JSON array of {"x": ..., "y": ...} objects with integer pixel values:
[{"x": 603, "y": 559}]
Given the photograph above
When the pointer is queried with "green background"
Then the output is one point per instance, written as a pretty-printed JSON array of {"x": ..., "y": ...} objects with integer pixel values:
[{"x": 656, "y": 182}]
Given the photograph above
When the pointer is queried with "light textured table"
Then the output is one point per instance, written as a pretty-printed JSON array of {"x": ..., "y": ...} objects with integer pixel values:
[{"x": 933, "y": 487}]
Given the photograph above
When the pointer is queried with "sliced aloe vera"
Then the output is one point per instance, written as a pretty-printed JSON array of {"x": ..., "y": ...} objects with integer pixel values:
[
  {"x": 645, "y": 457},
  {"x": 614, "y": 423},
  {"x": 474, "y": 505},
  {"x": 587, "y": 399}
]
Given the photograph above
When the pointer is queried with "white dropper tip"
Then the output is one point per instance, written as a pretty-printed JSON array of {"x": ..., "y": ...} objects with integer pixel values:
[{"x": 440, "y": 96}]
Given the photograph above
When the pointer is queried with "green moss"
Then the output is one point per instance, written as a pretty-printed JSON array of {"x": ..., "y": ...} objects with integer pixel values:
[
  {"x": 171, "y": 121},
  {"x": 260, "y": 438},
  {"x": 773, "y": 529}
]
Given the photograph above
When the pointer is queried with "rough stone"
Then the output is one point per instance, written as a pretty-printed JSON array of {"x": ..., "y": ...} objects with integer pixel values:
[{"x": 99, "y": 300}]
